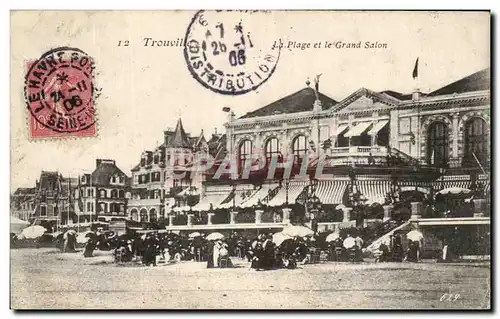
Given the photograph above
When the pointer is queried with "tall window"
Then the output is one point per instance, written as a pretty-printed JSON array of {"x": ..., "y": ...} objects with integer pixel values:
[
  {"x": 476, "y": 141},
  {"x": 153, "y": 216},
  {"x": 272, "y": 149},
  {"x": 299, "y": 148},
  {"x": 437, "y": 141},
  {"x": 245, "y": 153},
  {"x": 144, "y": 215}
]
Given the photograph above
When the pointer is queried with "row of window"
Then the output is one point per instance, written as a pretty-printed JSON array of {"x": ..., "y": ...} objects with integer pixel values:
[
  {"x": 111, "y": 207},
  {"x": 475, "y": 143},
  {"x": 272, "y": 149},
  {"x": 150, "y": 177}
]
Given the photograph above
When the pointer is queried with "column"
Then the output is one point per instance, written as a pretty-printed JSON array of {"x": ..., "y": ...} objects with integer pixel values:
[
  {"x": 454, "y": 155},
  {"x": 170, "y": 220},
  {"x": 210, "y": 215},
  {"x": 479, "y": 207},
  {"x": 347, "y": 214},
  {"x": 233, "y": 217},
  {"x": 387, "y": 212},
  {"x": 258, "y": 216},
  {"x": 286, "y": 215},
  {"x": 190, "y": 220},
  {"x": 416, "y": 210}
]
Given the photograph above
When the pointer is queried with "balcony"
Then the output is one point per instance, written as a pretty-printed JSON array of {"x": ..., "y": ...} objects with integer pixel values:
[
  {"x": 144, "y": 202},
  {"x": 358, "y": 155}
]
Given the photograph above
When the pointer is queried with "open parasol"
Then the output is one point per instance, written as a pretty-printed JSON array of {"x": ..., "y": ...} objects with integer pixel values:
[
  {"x": 215, "y": 236},
  {"x": 332, "y": 237},
  {"x": 195, "y": 234},
  {"x": 279, "y": 238},
  {"x": 454, "y": 190},
  {"x": 300, "y": 231},
  {"x": 82, "y": 238},
  {"x": 17, "y": 225},
  {"x": 32, "y": 232},
  {"x": 349, "y": 242},
  {"x": 415, "y": 235}
]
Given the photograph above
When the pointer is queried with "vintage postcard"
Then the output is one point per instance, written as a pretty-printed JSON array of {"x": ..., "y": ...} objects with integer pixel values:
[{"x": 250, "y": 160}]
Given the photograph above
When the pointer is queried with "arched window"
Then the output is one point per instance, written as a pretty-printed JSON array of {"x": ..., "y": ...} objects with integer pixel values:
[
  {"x": 245, "y": 152},
  {"x": 134, "y": 214},
  {"x": 144, "y": 215},
  {"x": 476, "y": 141},
  {"x": 102, "y": 193},
  {"x": 299, "y": 148},
  {"x": 272, "y": 149},
  {"x": 153, "y": 216},
  {"x": 437, "y": 141},
  {"x": 122, "y": 193},
  {"x": 114, "y": 193}
]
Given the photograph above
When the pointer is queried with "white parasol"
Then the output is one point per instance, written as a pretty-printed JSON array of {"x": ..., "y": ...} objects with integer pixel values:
[
  {"x": 300, "y": 231},
  {"x": 349, "y": 242},
  {"x": 332, "y": 237},
  {"x": 195, "y": 234},
  {"x": 215, "y": 236},
  {"x": 454, "y": 190},
  {"x": 32, "y": 232},
  {"x": 17, "y": 225},
  {"x": 279, "y": 238},
  {"x": 341, "y": 206},
  {"x": 415, "y": 235},
  {"x": 82, "y": 237}
]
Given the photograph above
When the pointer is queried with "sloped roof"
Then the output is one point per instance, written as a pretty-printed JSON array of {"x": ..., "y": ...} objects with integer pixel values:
[
  {"x": 103, "y": 173},
  {"x": 49, "y": 178},
  {"x": 299, "y": 101},
  {"x": 25, "y": 191},
  {"x": 398, "y": 95},
  {"x": 478, "y": 81},
  {"x": 179, "y": 138}
]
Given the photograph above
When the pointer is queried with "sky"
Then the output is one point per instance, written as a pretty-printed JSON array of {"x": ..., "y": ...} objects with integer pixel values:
[{"x": 146, "y": 89}]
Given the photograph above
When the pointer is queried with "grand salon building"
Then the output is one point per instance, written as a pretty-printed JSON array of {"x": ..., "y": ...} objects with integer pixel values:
[{"x": 376, "y": 144}]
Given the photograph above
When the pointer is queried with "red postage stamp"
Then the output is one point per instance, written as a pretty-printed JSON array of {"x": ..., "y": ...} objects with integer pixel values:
[{"x": 60, "y": 94}]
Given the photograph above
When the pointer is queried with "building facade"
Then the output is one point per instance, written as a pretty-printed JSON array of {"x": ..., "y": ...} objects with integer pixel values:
[
  {"x": 375, "y": 145},
  {"x": 162, "y": 178}
]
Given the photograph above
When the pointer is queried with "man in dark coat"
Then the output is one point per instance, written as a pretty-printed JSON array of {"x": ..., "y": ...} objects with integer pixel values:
[
  {"x": 209, "y": 254},
  {"x": 269, "y": 260}
]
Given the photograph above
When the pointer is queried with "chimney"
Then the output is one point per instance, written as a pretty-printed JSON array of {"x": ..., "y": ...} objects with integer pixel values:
[
  {"x": 98, "y": 162},
  {"x": 215, "y": 131}
]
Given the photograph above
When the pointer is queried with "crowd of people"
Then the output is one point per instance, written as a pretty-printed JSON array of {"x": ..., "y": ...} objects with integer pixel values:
[{"x": 262, "y": 251}]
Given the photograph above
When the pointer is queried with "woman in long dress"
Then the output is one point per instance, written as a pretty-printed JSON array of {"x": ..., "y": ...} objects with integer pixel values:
[{"x": 216, "y": 253}]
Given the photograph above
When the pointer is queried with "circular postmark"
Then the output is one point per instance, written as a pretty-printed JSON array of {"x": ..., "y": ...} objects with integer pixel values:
[
  {"x": 59, "y": 90},
  {"x": 230, "y": 52}
]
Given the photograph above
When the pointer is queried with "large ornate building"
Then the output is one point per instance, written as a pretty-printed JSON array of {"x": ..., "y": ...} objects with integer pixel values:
[{"x": 376, "y": 144}]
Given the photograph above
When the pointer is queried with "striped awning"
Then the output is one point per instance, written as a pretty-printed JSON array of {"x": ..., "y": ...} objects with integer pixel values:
[
  {"x": 294, "y": 189},
  {"x": 358, "y": 129},
  {"x": 331, "y": 192},
  {"x": 438, "y": 185},
  {"x": 210, "y": 198},
  {"x": 377, "y": 127},
  {"x": 374, "y": 191},
  {"x": 340, "y": 129},
  {"x": 258, "y": 195}
]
